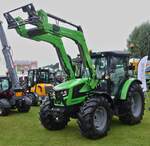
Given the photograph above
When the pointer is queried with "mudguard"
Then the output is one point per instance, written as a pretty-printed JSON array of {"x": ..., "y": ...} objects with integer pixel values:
[
  {"x": 5, "y": 103},
  {"x": 126, "y": 86},
  {"x": 104, "y": 94}
]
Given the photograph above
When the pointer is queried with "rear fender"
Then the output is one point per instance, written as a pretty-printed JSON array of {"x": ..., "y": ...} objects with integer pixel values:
[{"x": 126, "y": 86}]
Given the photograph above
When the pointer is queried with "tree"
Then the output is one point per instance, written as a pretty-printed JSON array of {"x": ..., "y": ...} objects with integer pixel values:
[{"x": 138, "y": 42}]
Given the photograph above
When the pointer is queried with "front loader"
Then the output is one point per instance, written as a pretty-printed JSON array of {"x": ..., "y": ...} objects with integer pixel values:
[
  {"x": 12, "y": 95},
  {"x": 91, "y": 97}
]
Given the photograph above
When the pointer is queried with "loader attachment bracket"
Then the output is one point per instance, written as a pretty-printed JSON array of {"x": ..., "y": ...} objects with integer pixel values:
[{"x": 32, "y": 16}]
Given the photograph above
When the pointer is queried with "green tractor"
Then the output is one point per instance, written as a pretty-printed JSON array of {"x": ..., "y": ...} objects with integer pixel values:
[{"x": 103, "y": 87}]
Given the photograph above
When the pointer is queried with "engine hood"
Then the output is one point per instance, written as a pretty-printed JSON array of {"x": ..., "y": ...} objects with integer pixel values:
[{"x": 70, "y": 84}]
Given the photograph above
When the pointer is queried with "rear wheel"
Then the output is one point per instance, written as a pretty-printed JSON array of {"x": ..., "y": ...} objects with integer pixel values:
[
  {"x": 50, "y": 119},
  {"x": 95, "y": 117},
  {"x": 132, "y": 110}
]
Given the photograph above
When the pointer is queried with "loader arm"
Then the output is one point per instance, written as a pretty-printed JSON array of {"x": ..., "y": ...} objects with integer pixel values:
[{"x": 53, "y": 34}]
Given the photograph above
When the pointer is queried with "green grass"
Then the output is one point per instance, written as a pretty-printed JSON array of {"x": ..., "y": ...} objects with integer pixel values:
[{"x": 26, "y": 130}]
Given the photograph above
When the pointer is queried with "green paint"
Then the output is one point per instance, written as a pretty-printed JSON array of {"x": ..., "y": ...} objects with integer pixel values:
[
  {"x": 70, "y": 84},
  {"x": 125, "y": 88}
]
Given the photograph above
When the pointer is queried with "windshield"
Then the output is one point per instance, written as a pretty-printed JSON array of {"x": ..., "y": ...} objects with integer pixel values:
[
  {"x": 38, "y": 76},
  {"x": 100, "y": 64},
  {"x": 43, "y": 76}
]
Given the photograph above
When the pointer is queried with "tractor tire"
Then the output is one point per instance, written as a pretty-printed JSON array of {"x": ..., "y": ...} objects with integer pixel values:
[
  {"x": 132, "y": 110},
  {"x": 95, "y": 117},
  {"x": 52, "y": 120},
  {"x": 4, "y": 111},
  {"x": 23, "y": 108}
]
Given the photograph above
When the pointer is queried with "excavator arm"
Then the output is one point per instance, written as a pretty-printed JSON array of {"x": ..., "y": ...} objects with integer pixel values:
[{"x": 8, "y": 59}]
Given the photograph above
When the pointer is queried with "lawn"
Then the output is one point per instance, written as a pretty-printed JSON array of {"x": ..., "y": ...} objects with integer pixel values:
[{"x": 26, "y": 130}]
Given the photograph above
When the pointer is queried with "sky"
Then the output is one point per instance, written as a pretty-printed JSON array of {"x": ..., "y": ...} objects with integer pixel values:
[{"x": 106, "y": 25}]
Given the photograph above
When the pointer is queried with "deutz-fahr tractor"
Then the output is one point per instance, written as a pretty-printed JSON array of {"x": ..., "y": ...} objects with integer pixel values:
[{"x": 103, "y": 89}]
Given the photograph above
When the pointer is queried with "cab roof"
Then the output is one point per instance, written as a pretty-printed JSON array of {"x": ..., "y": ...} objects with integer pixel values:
[
  {"x": 105, "y": 53},
  {"x": 111, "y": 53}
]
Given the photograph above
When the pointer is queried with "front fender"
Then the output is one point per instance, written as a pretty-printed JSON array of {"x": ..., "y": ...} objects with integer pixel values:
[
  {"x": 126, "y": 87},
  {"x": 104, "y": 94}
]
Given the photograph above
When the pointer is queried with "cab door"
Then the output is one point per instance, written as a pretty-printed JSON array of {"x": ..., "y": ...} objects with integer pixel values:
[{"x": 118, "y": 73}]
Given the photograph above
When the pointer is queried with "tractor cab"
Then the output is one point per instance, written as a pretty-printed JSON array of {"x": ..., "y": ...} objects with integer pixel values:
[
  {"x": 45, "y": 76},
  {"x": 38, "y": 83},
  {"x": 112, "y": 69},
  {"x": 5, "y": 86},
  {"x": 36, "y": 76}
]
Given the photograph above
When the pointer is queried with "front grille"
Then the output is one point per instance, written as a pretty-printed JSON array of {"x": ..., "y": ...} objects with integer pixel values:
[{"x": 58, "y": 95}]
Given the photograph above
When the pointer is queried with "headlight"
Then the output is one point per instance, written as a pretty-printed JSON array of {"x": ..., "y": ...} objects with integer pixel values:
[{"x": 63, "y": 93}]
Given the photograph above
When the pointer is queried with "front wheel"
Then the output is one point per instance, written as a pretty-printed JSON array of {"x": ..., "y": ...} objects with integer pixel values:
[
  {"x": 52, "y": 119},
  {"x": 132, "y": 110},
  {"x": 23, "y": 107},
  {"x": 95, "y": 117}
]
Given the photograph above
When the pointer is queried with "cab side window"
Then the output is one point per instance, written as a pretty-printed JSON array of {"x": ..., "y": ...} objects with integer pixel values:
[
  {"x": 117, "y": 72},
  {"x": 100, "y": 66}
]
